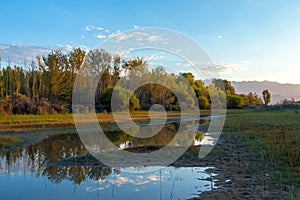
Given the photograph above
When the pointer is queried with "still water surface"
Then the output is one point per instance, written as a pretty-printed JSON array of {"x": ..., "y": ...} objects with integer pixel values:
[{"x": 25, "y": 173}]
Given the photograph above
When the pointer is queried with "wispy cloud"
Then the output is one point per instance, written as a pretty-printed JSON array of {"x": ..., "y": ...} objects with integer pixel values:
[
  {"x": 226, "y": 68},
  {"x": 95, "y": 31},
  {"x": 89, "y": 28},
  {"x": 155, "y": 56},
  {"x": 16, "y": 54},
  {"x": 153, "y": 38},
  {"x": 68, "y": 47},
  {"x": 137, "y": 35},
  {"x": 101, "y": 36}
]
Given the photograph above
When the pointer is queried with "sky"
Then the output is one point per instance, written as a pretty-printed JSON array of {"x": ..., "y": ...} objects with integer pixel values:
[{"x": 246, "y": 39}]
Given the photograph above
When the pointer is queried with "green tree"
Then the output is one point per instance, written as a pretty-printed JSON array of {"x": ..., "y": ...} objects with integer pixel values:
[
  {"x": 225, "y": 86},
  {"x": 251, "y": 99},
  {"x": 189, "y": 77},
  {"x": 122, "y": 99},
  {"x": 234, "y": 101},
  {"x": 134, "y": 103},
  {"x": 266, "y": 96},
  {"x": 203, "y": 102}
]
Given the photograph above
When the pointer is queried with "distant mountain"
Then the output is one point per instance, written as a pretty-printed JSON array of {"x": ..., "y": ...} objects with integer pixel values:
[{"x": 278, "y": 91}]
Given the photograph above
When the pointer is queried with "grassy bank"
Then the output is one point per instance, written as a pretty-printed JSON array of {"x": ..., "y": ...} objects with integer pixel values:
[
  {"x": 273, "y": 134},
  {"x": 13, "y": 123},
  {"x": 270, "y": 142}
]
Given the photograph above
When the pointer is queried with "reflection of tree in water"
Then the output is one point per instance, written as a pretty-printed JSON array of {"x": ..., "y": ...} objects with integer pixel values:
[
  {"x": 11, "y": 157},
  {"x": 76, "y": 174},
  {"x": 162, "y": 138},
  {"x": 37, "y": 157}
]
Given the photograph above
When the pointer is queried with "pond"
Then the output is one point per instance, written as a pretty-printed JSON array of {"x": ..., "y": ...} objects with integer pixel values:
[{"x": 31, "y": 172}]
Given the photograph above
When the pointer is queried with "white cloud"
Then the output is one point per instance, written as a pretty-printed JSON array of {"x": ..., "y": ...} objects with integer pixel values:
[
  {"x": 220, "y": 36},
  {"x": 156, "y": 56},
  {"x": 198, "y": 64},
  {"x": 17, "y": 53},
  {"x": 84, "y": 47},
  {"x": 68, "y": 47},
  {"x": 226, "y": 68},
  {"x": 3, "y": 47},
  {"x": 96, "y": 31},
  {"x": 101, "y": 36},
  {"x": 119, "y": 36},
  {"x": 139, "y": 36},
  {"x": 153, "y": 38},
  {"x": 89, "y": 28},
  {"x": 124, "y": 52}
]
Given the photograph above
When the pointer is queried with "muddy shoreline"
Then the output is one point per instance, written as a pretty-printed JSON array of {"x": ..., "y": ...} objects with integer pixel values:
[{"x": 238, "y": 175}]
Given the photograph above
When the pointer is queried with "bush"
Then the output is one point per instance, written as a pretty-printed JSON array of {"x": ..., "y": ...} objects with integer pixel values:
[
  {"x": 5, "y": 106},
  {"x": 122, "y": 96},
  {"x": 23, "y": 105},
  {"x": 234, "y": 101},
  {"x": 134, "y": 103},
  {"x": 203, "y": 102}
]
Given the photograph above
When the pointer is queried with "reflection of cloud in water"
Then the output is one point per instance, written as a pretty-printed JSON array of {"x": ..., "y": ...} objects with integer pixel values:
[
  {"x": 90, "y": 189},
  {"x": 207, "y": 140},
  {"x": 140, "y": 180},
  {"x": 125, "y": 145},
  {"x": 121, "y": 180}
]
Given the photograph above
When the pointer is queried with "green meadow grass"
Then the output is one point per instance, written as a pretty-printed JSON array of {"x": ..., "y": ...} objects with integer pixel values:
[{"x": 272, "y": 137}]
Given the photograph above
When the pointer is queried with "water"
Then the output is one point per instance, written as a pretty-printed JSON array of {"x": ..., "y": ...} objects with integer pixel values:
[
  {"x": 167, "y": 183},
  {"x": 28, "y": 173}
]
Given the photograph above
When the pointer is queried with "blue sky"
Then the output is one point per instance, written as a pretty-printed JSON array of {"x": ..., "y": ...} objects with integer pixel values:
[{"x": 247, "y": 39}]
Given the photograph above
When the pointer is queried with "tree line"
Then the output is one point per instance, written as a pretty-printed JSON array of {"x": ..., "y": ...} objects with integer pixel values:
[{"x": 45, "y": 86}]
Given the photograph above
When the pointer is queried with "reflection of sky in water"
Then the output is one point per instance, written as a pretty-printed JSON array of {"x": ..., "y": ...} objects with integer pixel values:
[
  {"x": 206, "y": 140},
  {"x": 167, "y": 183}
]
